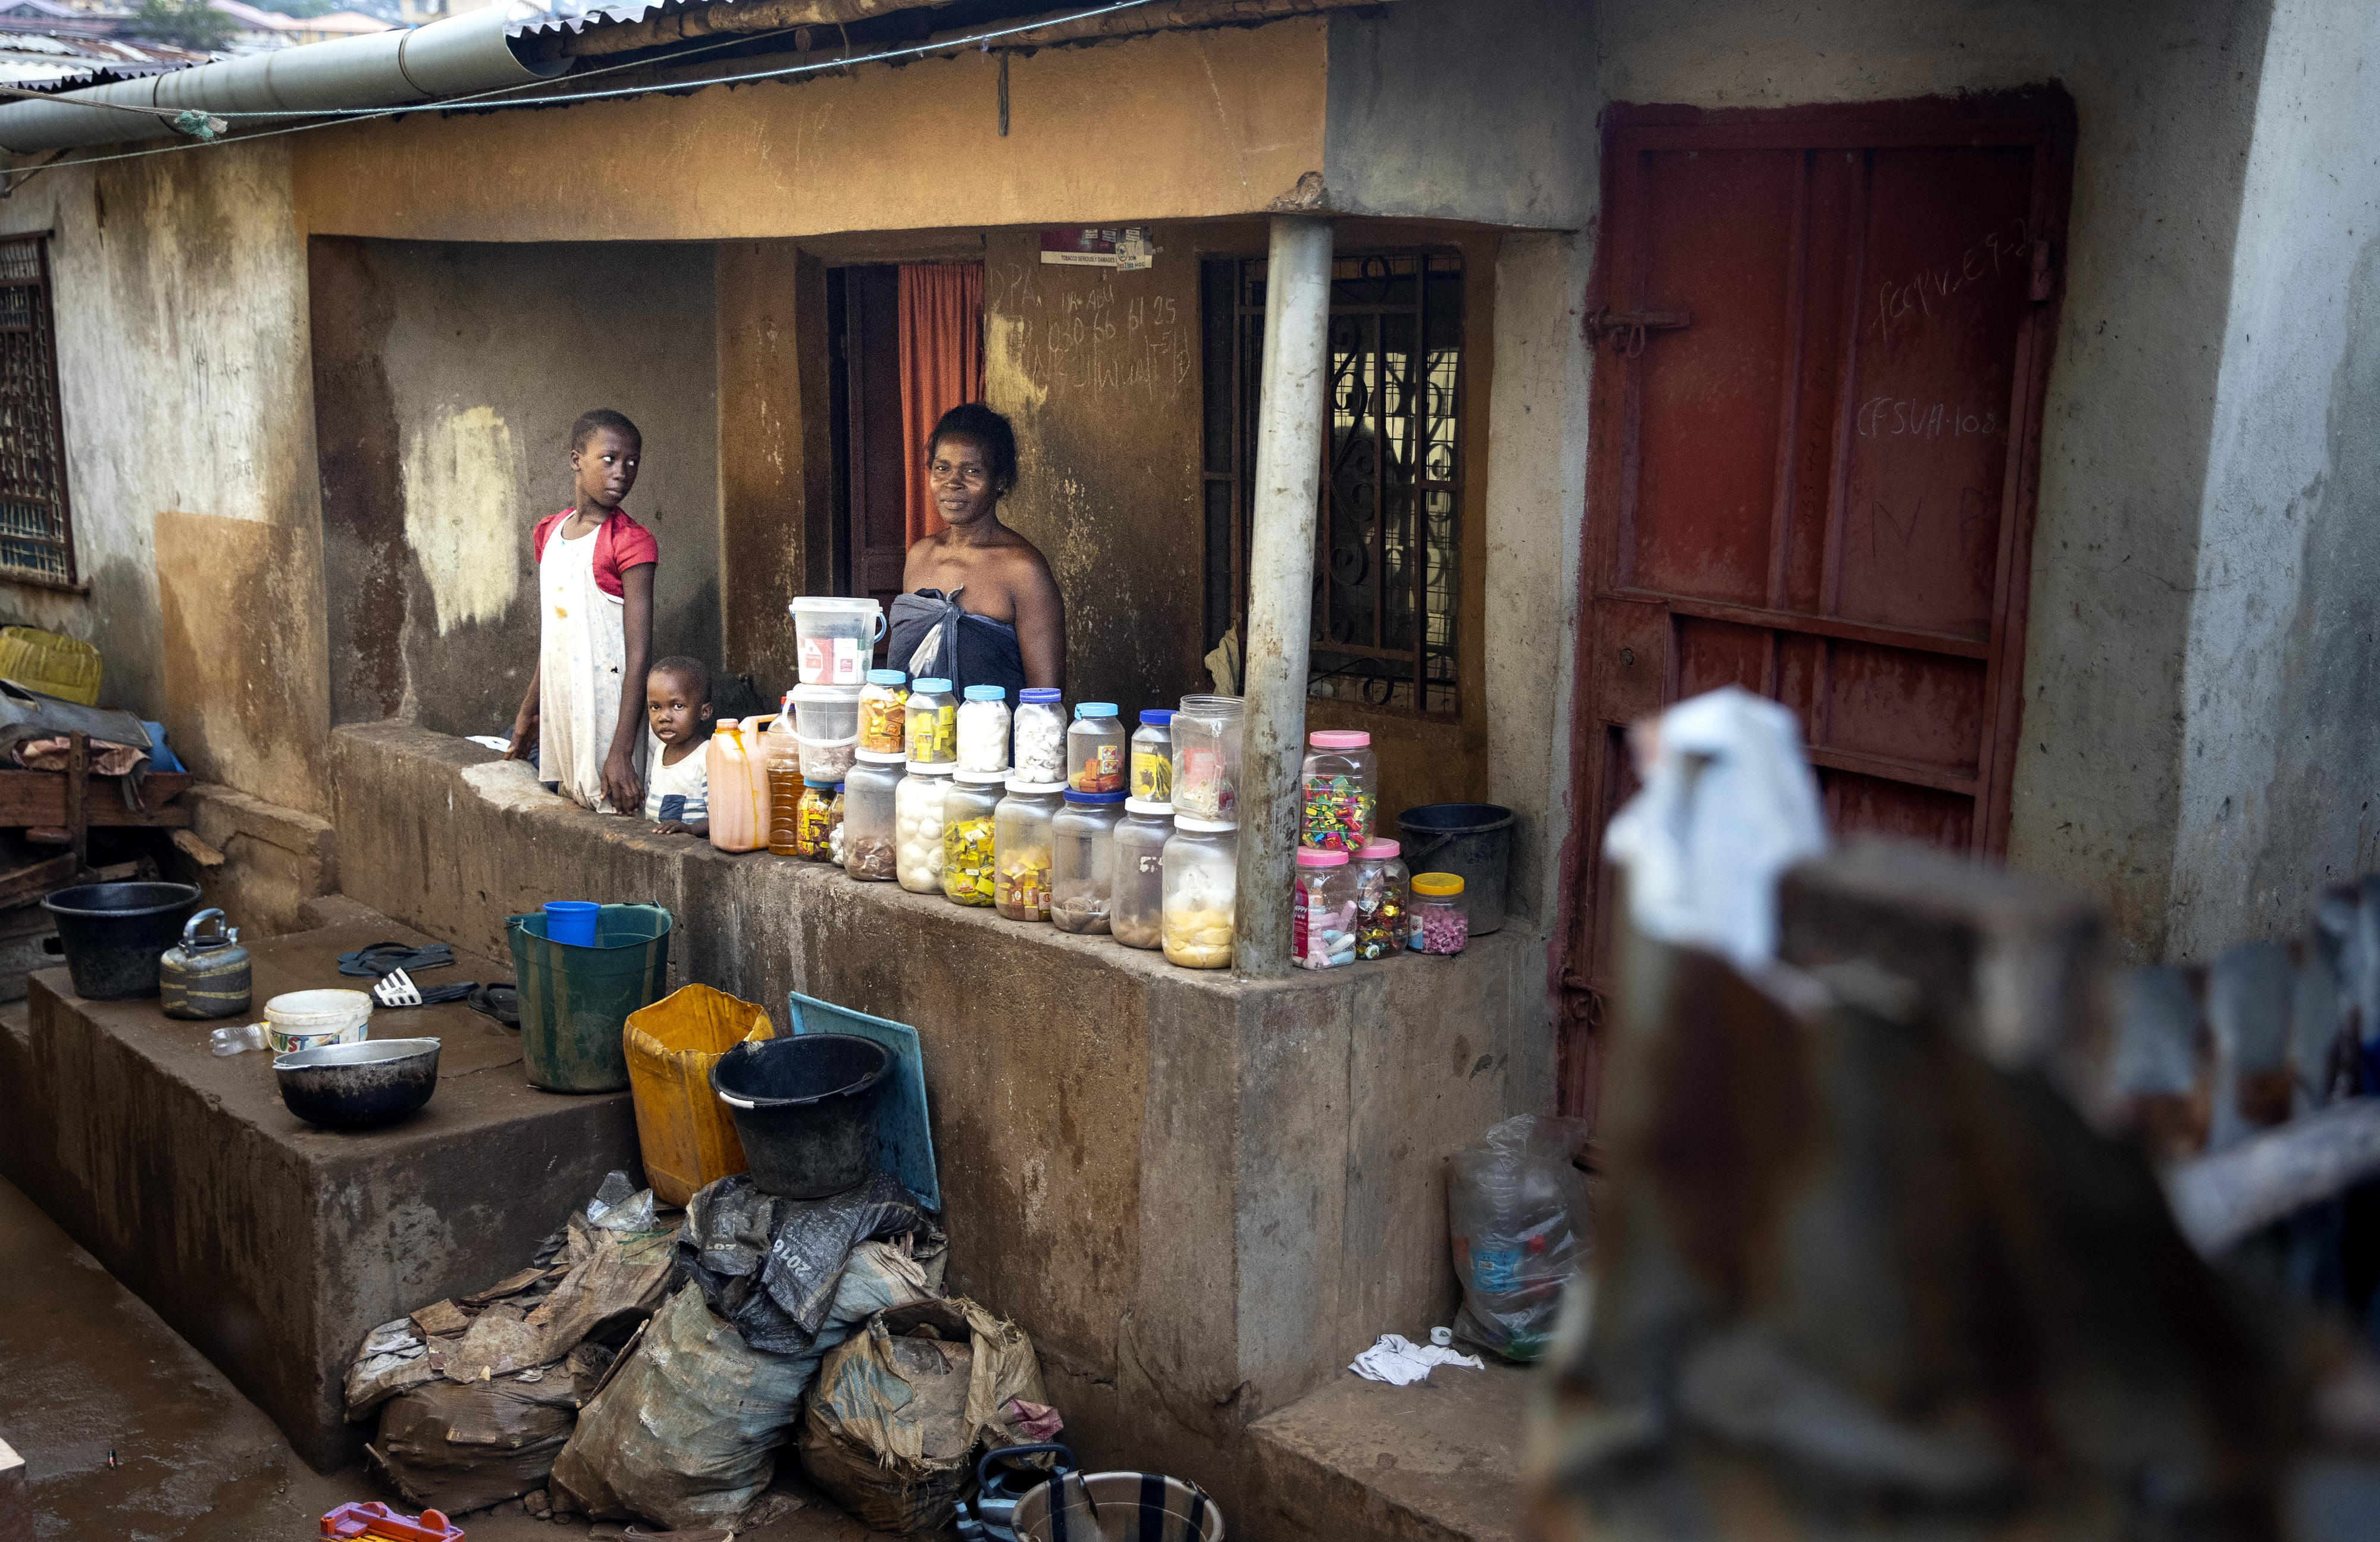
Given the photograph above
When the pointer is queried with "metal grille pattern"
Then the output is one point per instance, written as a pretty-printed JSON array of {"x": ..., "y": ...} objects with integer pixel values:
[
  {"x": 35, "y": 535},
  {"x": 1392, "y": 482}
]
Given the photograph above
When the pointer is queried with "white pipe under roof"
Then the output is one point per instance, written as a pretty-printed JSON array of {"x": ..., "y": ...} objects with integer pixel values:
[{"x": 454, "y": 57}]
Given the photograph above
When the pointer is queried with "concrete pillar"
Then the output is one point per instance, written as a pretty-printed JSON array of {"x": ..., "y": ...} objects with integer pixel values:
[{"x": 1281, "y": 583}]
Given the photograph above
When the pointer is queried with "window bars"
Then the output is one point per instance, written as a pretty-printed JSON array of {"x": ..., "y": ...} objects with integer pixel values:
[{"x": 36, "y": 535}]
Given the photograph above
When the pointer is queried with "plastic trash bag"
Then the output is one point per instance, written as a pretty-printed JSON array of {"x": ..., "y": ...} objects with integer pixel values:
[
  {"x": 687, "y": 1432},
  {"x": 893, "y": 1427},
  {"x": 618, "y": 1207},
  {"x": 1523, "y": 1221},
  {"x": 770, "y": 1265}
]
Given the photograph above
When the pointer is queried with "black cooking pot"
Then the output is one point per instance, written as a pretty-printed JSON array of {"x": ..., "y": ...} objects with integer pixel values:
[
  {"x": 113, "y": 934},
  {"x": 356, "y": 1087}
]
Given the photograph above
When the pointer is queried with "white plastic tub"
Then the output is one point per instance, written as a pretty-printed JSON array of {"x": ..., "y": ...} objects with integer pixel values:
[
  {"x": 836, "y": 639},
  {"x": 311, "y": 1019}
]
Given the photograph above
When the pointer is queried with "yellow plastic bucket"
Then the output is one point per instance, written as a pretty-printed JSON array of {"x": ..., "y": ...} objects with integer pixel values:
[
  {"x": 686, "y": 1134},
  {"x": 50, "y": 664}
]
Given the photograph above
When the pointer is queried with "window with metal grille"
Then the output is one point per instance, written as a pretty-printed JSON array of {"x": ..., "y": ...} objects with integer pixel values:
[
  {"x": 36, "y": 537},
  {"x": 1385, "y": 580}
]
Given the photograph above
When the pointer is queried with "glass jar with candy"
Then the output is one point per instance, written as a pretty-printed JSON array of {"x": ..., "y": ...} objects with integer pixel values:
[
  {"x": 1096, "y": 748},
  {"x": 1439, "y": 923},
  {"x": 885, "y": 712},
  {"x": 1340, "y": 789},
  {"x": 931, "y": 723},
  {"x": 967, "y": 843},
  {"x": 1384, "y": 900},
  {"x": 811, "y": 819},
  {"x": 983, "y": 730},
  {"x": 1322, "y": 922},
  {"x": 1040, "y": 733},
  {"x": 917, "y": 860},
  {"x": 1020, "y": 849}
]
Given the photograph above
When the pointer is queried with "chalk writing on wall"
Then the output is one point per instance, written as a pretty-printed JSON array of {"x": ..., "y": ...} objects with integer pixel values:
[
  {"x": 2004, "y": 249},
  {"x": 1087, "y": 339},
  {"x": 1889, "y": 417}
]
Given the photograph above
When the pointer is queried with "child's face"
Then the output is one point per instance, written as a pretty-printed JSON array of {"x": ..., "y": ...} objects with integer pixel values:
[
  {"x": 606, "y": 468},
  {"x": 674, "y": 713}
]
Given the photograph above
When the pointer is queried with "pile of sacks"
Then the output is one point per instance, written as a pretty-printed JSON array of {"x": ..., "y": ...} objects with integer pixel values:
[{"x": 652, "y": 1368}]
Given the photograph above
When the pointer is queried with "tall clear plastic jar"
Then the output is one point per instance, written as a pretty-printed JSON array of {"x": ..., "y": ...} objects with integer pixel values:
[
  {"x": 1082, "y": 880},
  {"x": 1440, "y": 925},
  {"x": 871, "y": 821},
  {"x": 1383, "y": 901},
  {"x": 1201, "y": 886},
  {"x": 1095, "y": 749},
  {"x": 917, "y": 809},
  {"x": 1207, "y": 758},
  {"x": 1152, "y": 757},
  {"x": 1040, "y": 729},
  {"x": 1020, "y": 849},
  {"x": 967, "y": 843},
  {"x": 1136, "y": 905},
  {"x": 1322, "y": 914},
  {"x": 1340, "y": 789},
  {"x": 983, "y": 730},
  {"x": 811, "y": 821},
  {"x": 930, "y": 723},
  {"x": 784, "y": 784},
  {"x": 884, "y": 713}
]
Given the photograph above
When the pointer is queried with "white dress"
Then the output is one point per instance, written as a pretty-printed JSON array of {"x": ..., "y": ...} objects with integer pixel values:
[{"x": 582, "y": 651}]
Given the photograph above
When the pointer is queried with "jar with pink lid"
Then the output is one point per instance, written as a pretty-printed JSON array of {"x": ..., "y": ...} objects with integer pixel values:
[{"x": 1342, "y": 790}]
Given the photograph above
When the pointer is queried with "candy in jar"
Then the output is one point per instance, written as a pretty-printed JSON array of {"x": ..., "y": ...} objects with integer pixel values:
[
  {"x": 968, "y": 844},
  {"x": 917, "y": 810},
  {"x": 834, "y": 827},
  {"x": 931, "y": 723},
  {"x": 1020, "y": 849},
  {"x": 1152, "y": 757},
  {"x": 1095, "y": 749},
  {"x": 1040, "y": 732},
  {"x": 811, "y": 819},
  {"x": 983, "y": 729},
  {"x": 1341, "y": 788},
  {"x": 1322, "y": 920},
  {"x": 885, "y": 712},
  {"x": 1382, "y": 901},
  {"x": 1440, "y": 924}
]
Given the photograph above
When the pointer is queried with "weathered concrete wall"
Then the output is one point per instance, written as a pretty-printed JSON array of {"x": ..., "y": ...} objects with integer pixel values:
[
  {"x": 1202, "y": 1196},
  {"x": 179, "y": 288},
  {"x": 1465, "y": 109},
  {"x": 1175, "y": 125},
  {"x": 2166, "y": 95},
  {"x": 447, "y": 377},
  {"x": 1100, "y": 372},
  {"x": 2282, "y": 751}
]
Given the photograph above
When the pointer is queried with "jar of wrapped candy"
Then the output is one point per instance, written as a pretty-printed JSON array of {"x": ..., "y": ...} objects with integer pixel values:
[
  {"x": 1136, "y": 904},
  {"x": 1383, "y": 901},
  {"x": 1040, "y": 736},
  {"x": 930, "y": 723},
  {"x": 1322, "y": 914},
  {"x": 917, "y": 809},
  {"x": 1201, "y": 882},
  {"x": 811, "y": 819},
  {"x": 967, "y": 843},
  {"x": 1020, "y": 849},
  {"x": 1095, "y": 749},
  {"x": 983, "y": 730},
  {"x": 1207, "y": 757},
  {"x": 885, "y": 712},
  {"x": 1439, "y": 923},
  {"x": 1152, "y": 757},
  {"x": 1341, "y": 789},
  {"x": 870, "y": 817},
  {"x": 834, "y": 827},
  {"x": 1082, "y": 882}
]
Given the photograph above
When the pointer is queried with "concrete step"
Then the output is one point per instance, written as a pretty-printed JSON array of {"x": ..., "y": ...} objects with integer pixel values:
[{"x": 1439, "y": 1460}]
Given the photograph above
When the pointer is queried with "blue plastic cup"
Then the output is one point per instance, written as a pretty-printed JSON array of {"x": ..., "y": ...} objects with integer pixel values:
[{"x": 571, "y": 922}]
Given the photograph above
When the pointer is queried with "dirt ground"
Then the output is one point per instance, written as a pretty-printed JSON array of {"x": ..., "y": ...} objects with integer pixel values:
[{"x": 88, "y": 1373}]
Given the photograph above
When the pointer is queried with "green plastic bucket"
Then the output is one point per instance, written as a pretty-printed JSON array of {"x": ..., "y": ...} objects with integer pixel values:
[{"x": 575, "y": 1002}]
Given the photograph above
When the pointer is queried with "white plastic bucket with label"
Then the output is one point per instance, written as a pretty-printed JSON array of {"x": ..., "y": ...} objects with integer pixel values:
[
  {"x": 311, "y": 1019},
  {"x": 835, "y": 639}
]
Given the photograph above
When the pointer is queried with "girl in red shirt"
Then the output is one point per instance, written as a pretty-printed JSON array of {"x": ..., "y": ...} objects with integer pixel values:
[{"x": 584, "y": 709}]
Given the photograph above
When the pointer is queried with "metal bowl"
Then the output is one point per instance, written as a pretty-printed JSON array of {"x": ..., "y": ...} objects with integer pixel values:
[{"x": 358, "y": 1087}]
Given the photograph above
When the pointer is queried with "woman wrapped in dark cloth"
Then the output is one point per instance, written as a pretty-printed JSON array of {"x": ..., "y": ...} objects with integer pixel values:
[{"x": 980, "y": 606}]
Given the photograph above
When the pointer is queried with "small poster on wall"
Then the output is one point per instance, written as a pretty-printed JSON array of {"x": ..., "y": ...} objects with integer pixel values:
[{"x": 1090, "y": 246}]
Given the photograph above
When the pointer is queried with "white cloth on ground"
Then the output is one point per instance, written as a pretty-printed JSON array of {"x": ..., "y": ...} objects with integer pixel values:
[{"x": 1399, "y": 1362}]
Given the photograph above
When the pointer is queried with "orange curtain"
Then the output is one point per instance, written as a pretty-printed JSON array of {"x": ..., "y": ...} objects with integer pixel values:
[{"x": 942, "y": 364}]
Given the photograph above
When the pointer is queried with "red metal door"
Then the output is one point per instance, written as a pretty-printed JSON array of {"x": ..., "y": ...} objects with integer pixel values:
[{"x": 1815, "y": 417}]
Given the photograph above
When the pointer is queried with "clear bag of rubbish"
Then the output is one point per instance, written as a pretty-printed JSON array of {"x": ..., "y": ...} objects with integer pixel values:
[
  {"x": 1522, "y": 1219},
  {"x": 618, "y": 1207}
]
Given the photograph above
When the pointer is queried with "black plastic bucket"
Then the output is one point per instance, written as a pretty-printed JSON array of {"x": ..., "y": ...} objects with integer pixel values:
[
  {"x": 805, "y": 1109},
  {"x": 1472, "y": 841},
  {"x": 113, "y": 934}
]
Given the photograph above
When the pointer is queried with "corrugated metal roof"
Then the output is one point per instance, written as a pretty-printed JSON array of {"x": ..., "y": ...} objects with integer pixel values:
[{"x": 41, "y": 59}]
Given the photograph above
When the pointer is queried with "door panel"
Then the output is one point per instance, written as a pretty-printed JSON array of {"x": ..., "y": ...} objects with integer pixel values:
[{"x": 1818, "y": 487}]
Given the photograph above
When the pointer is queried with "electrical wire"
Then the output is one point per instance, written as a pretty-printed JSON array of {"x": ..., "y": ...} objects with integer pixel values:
[{"x": 487, "y": 100}]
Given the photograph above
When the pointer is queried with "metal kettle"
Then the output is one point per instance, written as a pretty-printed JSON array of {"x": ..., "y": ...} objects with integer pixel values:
[{"x": 205, "y": 977}]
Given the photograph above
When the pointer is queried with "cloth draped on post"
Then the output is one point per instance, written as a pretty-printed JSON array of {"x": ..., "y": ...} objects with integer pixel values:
[{"x": 941, "y": 365}]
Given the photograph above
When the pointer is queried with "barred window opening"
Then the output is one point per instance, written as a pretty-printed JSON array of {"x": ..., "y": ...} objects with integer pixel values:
[{"x": 36, "y": 535}]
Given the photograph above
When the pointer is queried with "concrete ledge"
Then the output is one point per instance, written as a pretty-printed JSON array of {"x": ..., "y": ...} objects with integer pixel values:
[
  {"x": 271, "y": 1245},
  {"x": 1359, "y": 1462},
  {"x": 1201, "y": 1196},
  {"x": 275, "y": 858}
]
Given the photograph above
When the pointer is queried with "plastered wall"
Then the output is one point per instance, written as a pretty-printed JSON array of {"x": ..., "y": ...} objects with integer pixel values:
[
  {"x": 448, "y": 375},
  {"x": 179, "y": 295}
]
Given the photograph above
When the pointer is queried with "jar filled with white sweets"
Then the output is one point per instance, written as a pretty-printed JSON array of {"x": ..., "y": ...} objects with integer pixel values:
[
  {"x": 1040, "y": 736},
  {"x": 983, "y": 730},
  {"x": 917, "y": 810}
]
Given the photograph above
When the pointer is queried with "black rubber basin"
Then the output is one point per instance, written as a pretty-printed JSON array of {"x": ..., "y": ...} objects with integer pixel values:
[
  {"x": 113, "y": 934},
  {"x": 805, "y": 1109}
]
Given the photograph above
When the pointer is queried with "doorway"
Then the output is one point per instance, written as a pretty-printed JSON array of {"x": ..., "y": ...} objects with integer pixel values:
[{"x": 1821, "y": 337}]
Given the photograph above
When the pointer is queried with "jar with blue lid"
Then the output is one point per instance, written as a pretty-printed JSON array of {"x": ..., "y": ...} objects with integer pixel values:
[
  {"x": 1082, "y": 873},
  {"x": 1096, "y": 748}
]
